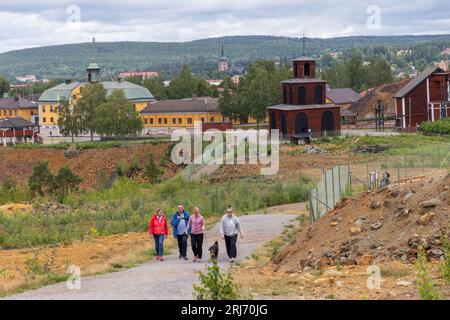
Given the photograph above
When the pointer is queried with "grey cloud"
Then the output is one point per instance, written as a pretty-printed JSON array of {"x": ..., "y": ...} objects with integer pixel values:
[{"x": 34, "y": 23}]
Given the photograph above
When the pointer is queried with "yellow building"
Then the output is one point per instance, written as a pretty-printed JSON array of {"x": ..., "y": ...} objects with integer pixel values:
[
  {"x": 18, "y": 107},
  {"x": 181, "y": 113},
  {"x": 50, "y": 99}
]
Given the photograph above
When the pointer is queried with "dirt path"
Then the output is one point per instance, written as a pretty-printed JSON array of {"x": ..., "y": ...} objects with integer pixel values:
[{"x": 171, "y": 279}]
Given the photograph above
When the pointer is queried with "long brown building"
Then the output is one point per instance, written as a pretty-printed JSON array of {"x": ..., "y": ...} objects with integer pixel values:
[
  {"x": 426, "y": 97},
  {"x": 304, "y": 109}
]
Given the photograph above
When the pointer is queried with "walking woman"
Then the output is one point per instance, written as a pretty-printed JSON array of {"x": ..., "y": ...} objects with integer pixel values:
[
  {"x": 229, "y": 228},
  {"x": 159, "y": 229},
  {"x": 197, "y": 226}
]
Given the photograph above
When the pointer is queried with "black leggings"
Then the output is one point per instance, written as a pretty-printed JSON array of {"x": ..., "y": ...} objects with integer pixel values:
[
  {"x": 230, "y": 243},
  {"x": 197, "y": 245}
]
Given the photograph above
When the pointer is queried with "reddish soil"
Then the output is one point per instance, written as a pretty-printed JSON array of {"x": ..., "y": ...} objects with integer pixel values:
[
  {"x": 375, "y": 227},
  {"x": 88, "y": 164},
  {"x": 384, "y": 93}
]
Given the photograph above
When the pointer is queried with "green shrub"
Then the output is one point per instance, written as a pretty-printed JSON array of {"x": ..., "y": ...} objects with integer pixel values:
[
  {"x": 445, "y": 267},
  {"x": 427, "y": 290},
  {"x": 214, "y": 285}
]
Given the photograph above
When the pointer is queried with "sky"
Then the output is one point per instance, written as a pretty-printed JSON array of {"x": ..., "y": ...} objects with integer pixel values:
[{"x": 27, "y": 23}]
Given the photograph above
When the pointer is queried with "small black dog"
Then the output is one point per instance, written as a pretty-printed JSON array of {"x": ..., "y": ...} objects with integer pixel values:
[{"x": 214, "y": 251}]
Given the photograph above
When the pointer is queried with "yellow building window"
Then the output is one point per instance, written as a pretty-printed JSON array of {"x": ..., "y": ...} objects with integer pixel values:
[
  {"x": 52, "y": 120},
  {"x": 44, "y": 120},
  {"x": 165, "y": 120},
  {"x": 151, "y": 120},
  {"x": 212, "y": 119},
  {"x": 146, "y": 121},
  {"x": 189, "y": 120},
  {"x": 202, "y": 119},
  {"x": 174, "y": 121},
  {"x": 43, "y": 108},
  {"x": 180, "y": 120},
  {"x": 159, "y": 121}
]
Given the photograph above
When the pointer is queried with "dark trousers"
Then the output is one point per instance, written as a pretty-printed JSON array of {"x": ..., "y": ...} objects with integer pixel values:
[
  {"x": 230, "y": 243},
  {"x": 182, "y": 245},
  {"x": 197, "y": 245},
  {"x": 159, "y": 244}
]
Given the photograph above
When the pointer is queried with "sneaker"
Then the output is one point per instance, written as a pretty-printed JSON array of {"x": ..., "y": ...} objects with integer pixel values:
[
  {"x": 180, "y": 256},
  {"x": 232, "y": 260},
  {"x": 195, "y": 259},
  {"x": 199, "y": 260},
  {"x": 185, "y": 258},
  {"x": 157, "y": 258},
  {"x": 161, "y": 259}
]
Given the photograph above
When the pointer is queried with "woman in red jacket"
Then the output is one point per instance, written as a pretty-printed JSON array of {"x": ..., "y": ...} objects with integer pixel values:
[{"x": 159, "y": 229}]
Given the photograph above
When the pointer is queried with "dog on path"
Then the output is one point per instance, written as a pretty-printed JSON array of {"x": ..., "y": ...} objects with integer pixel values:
[{"x": 214, "y": 251}]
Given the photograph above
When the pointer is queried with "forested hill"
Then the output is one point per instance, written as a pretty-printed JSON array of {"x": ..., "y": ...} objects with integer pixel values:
[{"x": 69, "y": 61}]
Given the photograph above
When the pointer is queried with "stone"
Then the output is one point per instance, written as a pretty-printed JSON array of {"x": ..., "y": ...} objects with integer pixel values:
[
  {"x": 403, "y": 283},
  {"x": 375, "y": 204},
  {"x": 435, "y": 254},
  {"x": 366, "y": 260},
  {"x": 425, "y": 219},
  {"x": 395, "y": 193},
  {"x": 376, "y": 225},
  {"x": 430, "y": 203},
  {"x": 355, "y": 230},
  {"x": 387, "y": 203},
  {"x": 332, "y": 273},
  {"x": 333, "y": 224}
]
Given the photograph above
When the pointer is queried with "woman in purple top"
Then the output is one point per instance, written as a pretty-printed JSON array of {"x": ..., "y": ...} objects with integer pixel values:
[{"x": 197, "y": 225}]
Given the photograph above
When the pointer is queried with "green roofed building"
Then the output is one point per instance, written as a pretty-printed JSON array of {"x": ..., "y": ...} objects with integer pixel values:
[{"x": 50, "y": 99}]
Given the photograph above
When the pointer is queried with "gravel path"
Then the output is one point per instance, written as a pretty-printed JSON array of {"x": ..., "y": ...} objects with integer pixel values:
[{"x": 171, "y": 279}]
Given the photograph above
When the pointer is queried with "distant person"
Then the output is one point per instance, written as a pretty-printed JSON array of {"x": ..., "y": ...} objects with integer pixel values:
[
  {"x": 159, "y": 230},
  {"x": 197, "y": 226},
  {"x": 179, "y": 222},
  {"x": 373, "y": 179},
  {"x": 386, "y": 180},
  {"x": 229, "y": 229}
]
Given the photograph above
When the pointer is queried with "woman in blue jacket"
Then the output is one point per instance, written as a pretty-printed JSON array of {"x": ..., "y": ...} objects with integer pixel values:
[{"x": 179, "y": 222}]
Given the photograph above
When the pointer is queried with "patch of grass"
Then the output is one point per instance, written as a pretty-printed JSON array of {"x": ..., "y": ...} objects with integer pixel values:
[{"x": 395, "y": 272}]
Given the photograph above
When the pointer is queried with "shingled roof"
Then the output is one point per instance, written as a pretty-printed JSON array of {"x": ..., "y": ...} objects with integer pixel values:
[
  {"x": 197, "y": 105},
  {"x": 17, "y": 103},
  {"x": 416, "y": 81},
  {"x": 16, "y": 123},
  {"x": 343, "y": 95}
]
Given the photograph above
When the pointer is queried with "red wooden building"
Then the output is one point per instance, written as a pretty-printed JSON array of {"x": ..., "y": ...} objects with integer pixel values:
[
  {"x": 304, "y": 107},
  {"x": 426, "y": 97},
  {"x": 17, "y": 129}
]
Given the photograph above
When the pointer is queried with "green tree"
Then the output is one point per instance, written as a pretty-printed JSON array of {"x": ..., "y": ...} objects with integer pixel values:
[
  {"x": 66, "y": 181},
  {"x": 69, "y": 119},
  {"x": 182, "y": 85},
  {"x": 261, "y": 89},
  {"x": 227, "y": 105},
  {"x": 41, "y": 181},
  {"x": 4, "y": 86},
  {"x": 356, "y": 73},
  {"x": 117, "y": 117},
  {"x": 378, "y": 72},
  {"x": 157, "y": 88},
  {"x": 152, "y": 171},
  {"x": 92, "y": 96}
]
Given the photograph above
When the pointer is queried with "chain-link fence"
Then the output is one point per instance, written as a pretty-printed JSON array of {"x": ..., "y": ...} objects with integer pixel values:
[
  {"x": 329, "y": 191},
  {"x": 421, "y": 163}
]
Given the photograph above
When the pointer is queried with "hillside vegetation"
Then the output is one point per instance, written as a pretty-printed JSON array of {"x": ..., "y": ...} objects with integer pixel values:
[{"x": 70, "y": 61}]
